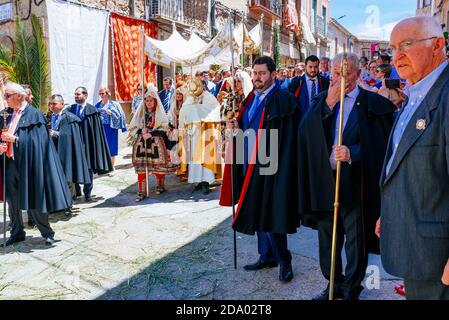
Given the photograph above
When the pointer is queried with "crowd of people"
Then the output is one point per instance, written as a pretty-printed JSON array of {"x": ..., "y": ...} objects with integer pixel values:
[{"x": 197, "y": 128}]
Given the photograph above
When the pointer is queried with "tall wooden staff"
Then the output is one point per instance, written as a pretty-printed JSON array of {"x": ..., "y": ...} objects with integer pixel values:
[
  {"x": 4, "y": 129},
  {"x": 344, "y": 72},
  {"x": 232, "y": 134},
  {"x": 147, "y": 193}
]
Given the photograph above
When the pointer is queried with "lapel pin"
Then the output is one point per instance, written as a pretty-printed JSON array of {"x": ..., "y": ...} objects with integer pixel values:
[{"x": 421, "y": 124}]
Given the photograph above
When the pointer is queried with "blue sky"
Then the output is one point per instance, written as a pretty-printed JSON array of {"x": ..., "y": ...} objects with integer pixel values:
[{"x": 372, "y": 19}]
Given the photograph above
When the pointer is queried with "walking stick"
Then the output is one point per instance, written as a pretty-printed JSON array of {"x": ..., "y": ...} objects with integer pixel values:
[
  {"x": 5, "y": 118},
  {"x": 232, "y": 136},
  {"x": 344, "y": 71},
  {"x": 147, "y": 193}
]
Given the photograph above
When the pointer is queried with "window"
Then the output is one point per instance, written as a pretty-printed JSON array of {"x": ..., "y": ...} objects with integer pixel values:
[
  {"x": 314, "y": 14},
  {"x": 427, "y": 3},
  {"x": 324, "y": 19}
]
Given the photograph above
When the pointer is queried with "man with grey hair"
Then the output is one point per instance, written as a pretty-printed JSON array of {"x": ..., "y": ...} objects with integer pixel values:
[
  {"x": 300, "y": 69},
  {"x": 367, "y": 120},
  {"x": 414, "y": 223},
  {"x": 34, "y": 175}
]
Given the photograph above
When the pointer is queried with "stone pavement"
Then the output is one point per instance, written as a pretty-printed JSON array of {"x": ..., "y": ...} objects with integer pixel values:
[{"x": 178, "y": 245}]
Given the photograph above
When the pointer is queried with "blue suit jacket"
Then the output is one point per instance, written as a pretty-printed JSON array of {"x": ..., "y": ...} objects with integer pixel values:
[
  {"x": 414, "y": 240},
  {"x": 303, "y": 98}
]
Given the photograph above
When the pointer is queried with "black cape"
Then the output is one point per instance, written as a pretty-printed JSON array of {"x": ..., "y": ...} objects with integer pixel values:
[
  {"x": 96, "y": 146},
  {"x": 43, "y": 185},
  {"x": 269, "y": 202},
  {"x": 315, "y": 176},
  {"x": 70, "y": 146}
]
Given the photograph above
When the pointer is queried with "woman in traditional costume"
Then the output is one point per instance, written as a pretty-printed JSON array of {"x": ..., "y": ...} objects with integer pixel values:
[{"x": 148, "y": 136}]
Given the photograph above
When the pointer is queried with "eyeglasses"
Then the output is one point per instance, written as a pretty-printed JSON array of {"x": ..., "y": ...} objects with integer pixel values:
[
  {"x": 406, "y": 45},
  {"x": 378, "y": 71},
  {"x": 8, "y": 95}
]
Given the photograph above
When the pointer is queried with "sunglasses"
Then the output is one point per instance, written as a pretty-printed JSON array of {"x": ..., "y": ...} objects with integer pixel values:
[{"x": 8, "y": 95}]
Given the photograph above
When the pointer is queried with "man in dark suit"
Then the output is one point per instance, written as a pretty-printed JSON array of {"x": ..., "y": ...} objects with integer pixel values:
[
  {"x": 66, "y": 134},
  {"x": 96, "y": 146},
  {"x": 414, "y": 224},
  {"x": 367, "y": 121},
  {"x": 267, "y": 198},
  {"x": 309, "y": 85},
  {"x": 166, "y": 94}
]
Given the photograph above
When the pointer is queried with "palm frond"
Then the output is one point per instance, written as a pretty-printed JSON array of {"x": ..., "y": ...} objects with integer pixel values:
[
  {"x": 22, "y": 56},
  {"x": 39, "y": 75},
  {"x": 7, "y": 67}
]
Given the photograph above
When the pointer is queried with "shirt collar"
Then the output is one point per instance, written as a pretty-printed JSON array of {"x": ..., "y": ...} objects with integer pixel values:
[
  {"x": 267, "y": 90},
  {"x": 424, "y": 85},
  {"x": 310, "y": 79},
  {"x": 354, "y": 93}
]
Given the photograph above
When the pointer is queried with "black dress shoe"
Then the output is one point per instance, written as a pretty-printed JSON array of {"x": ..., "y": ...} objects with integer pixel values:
[
  {"x": 68, "y": 213},
  {"x": 88, "y": 199},
  {"x": 11, "y": 241},
  {"x": 260, "y": 265},
  {"x": 285, "y": 272},
  {"x": 49, "y": 241},
  {"x": 323, "y": 296},
  {"x": 31, "y": 224}
]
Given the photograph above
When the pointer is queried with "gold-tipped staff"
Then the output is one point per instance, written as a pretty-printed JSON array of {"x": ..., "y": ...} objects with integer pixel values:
[
  {"x": 232, "y": 136},
  {"x": 343, "y": 75}
]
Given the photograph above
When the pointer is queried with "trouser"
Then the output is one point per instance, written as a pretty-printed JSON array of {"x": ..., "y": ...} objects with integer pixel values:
[
  {"x": 87, "y": 188},
  {"x": 15, "y": 213},
  {"x": 273, "y": 247},
  {"x": 426, "y": 290},
  {"x": 350, "y": 224},
  {"x": 72, "y": 189},
  {"x": 142, "y": 183}
]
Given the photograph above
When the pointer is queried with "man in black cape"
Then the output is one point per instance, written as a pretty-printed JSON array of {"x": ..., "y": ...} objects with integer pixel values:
[
  {"x": 67, "y": 137},
  {"x": 96, "y": 146},
  {"x": 368, "y": 118},
  {"x": 266, "y": 189},
  {"x": 35, "y": 180}
]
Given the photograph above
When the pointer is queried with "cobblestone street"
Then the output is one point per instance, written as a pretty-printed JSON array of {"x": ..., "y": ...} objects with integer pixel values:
[{"x": 178, "y": 245}]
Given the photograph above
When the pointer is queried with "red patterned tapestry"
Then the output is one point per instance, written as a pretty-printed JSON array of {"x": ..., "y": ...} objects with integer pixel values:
[{"x": 127, "y": 55}]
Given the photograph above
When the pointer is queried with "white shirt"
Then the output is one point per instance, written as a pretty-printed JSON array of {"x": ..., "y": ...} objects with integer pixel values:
[{"x": 350, "y": 99}]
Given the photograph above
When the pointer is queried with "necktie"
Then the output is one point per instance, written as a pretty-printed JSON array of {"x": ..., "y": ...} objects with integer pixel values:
[
  {"x": 80, "y": 111},
  {"x": 254, "y": 107},
  {"x": 166, "y": 100},
  {"x": 313, "y": 88},
  {"x": 11, "y": 130}
]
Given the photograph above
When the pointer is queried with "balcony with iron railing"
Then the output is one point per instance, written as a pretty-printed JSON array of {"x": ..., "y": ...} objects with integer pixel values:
[
  {"x": 319, "y": 26},
  {"x": 172, "y": 10},
  {"x": 270, "y": 9}
]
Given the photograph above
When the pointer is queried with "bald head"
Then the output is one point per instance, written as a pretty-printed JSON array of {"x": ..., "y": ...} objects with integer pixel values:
[
  {"x": 418, "y": 46},
  {"x": 421, "y": 26}
]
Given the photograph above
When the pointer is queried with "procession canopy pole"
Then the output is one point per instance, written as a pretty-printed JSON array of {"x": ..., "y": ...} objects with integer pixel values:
[
  {"x": 232, "y": 133},
  {"x": 344, "y": 73}
]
